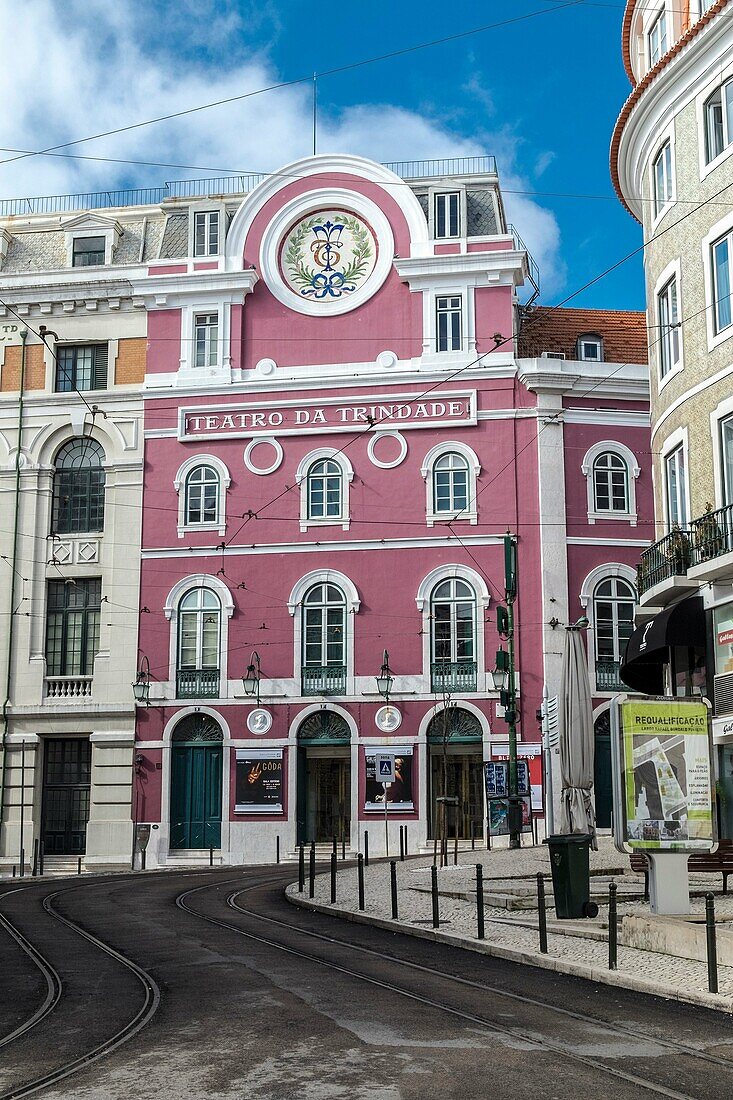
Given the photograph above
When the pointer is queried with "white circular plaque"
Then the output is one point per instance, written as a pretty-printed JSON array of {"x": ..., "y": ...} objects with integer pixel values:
[
  {"x": 259, "y": 720},
  {"x": 388, "y": 719}
]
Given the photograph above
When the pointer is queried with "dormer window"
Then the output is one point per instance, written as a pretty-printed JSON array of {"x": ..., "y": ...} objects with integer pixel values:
[
  {"x": 88, "y": 251},
  {"x": 590, "y": 348},
  {"x": 448, "y": 215},
  {"x": 206, "y": 233}
]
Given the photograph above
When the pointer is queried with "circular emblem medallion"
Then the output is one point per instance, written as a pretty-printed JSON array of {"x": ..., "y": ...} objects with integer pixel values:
[
  {"x": 328, "y": 255},
  {"x": 388, "y": 719},
  {"x": 259, "y": 720}
]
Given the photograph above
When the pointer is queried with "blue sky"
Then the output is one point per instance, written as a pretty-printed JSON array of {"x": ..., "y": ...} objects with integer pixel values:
[{"x": 542, "y": 94}]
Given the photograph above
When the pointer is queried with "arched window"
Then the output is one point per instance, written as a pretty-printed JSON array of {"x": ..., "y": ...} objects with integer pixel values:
[
  {"x": 199, "y": 644},
  {"x": 610, "y": 483},
  {"x": 323, "y": 670},
  {"x": 78, "y": 488},
  {"x": 450, "y": 471},
  {"x": 325, "y": 491},
  {"x": 202, "y": 496},
  {"x": 453, "y": 636},
  {"x": 613, "y": 622}
]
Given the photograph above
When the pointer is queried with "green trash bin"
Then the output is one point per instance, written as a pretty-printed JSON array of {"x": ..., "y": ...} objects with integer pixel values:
[{"x": 570, "y": 863}]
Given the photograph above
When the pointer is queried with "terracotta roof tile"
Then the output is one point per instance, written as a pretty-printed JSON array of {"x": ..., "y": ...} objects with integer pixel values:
[{"x": 557, "y": 329}]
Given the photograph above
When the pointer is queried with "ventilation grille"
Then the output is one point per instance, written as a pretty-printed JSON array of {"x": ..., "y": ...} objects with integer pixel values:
[{"x": 724, "y": 693}]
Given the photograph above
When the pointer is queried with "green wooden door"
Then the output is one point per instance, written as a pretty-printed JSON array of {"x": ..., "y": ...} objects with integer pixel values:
[{"x": 196, "y": 795}]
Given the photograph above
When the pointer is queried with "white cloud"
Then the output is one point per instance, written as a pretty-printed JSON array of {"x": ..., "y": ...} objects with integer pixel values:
[{"x": 78, "y": 67}]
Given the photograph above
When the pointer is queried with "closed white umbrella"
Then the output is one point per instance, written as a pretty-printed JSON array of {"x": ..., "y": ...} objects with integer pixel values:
[{"x": 577, "y": 742}]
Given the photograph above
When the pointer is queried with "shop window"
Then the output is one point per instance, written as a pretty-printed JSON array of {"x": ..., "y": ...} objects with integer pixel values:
[{"x": 78, "y": 488}]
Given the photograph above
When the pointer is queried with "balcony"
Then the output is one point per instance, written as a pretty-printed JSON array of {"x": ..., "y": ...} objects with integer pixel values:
[
  {"x": 712, "y": 535},
  {"x": 68, "y": 687},
  {"x": 451, "y": 676},
  {"x": 197, "y": 683},
  {"x": 698, "y": 553},
  {"x": 607, "y": 677},
  {"x": 323, "y": 679},
  {"x": 669, "y": 557}
]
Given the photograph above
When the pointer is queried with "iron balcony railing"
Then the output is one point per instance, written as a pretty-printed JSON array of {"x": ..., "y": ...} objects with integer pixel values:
[
  {"x": 450, "y": 676},
  {"x": 607, "y": 676},
  {"x": 220, "y": 185},
  {"x": 712, "y": 535},
  {"x": 197, "y": 683},
  {"x": 669, "y": 557},
  {"x": 323, "y": 679}
]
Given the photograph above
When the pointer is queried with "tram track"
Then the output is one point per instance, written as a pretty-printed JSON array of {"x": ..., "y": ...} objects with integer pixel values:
[{"x": 511, "y": 1032}]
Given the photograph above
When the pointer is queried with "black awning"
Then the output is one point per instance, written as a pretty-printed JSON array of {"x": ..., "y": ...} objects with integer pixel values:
[{"x": 647, "y": 650}]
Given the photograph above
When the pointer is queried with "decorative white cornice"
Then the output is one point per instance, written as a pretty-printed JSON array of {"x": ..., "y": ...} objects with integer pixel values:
[
  {"x": 180, "y": 288},
  {"x": 624, "y": 380},
  {"x": 471, "y": 268}
]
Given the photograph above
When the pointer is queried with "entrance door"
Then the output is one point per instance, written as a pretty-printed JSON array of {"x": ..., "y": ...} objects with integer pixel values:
[
  {"x": 602, "y": 784},
  {"x": 329, "y": 798},
  {"x": 196, "y": 770},
  {"x": 66, "y": 793},
  {"x": 464, "y": 775}
]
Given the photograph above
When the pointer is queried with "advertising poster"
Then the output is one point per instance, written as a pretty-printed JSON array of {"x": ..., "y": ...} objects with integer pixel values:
[
  {"x": 667, "y": 774},
  {"x": 496, "y": 775},
  {"x": 259, "y": 781},
  {"x": 499, "y": 816},
  {"x": 723, "y": 635},
  {"x": 399, "y": 793}
]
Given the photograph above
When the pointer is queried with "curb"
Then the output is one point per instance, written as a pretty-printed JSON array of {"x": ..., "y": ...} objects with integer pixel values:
[{"x": 717, "y": 1002}]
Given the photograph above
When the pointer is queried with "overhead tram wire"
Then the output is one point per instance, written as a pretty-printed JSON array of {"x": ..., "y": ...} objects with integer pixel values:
[{"x": 308, "y": 79}]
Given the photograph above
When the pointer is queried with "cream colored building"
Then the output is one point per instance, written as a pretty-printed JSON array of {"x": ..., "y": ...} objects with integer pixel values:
[{"x": 672, "y": 164}]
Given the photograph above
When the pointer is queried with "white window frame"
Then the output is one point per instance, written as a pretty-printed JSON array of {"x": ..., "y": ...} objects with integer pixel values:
[
  {"x": 633, "y": 471},
  {"x": 467, "y": 515},
  {"x": 672, "y": 273},
  {"x": 670, "y": 195},
  {"x": 170, "y": 609},
  {"x": 295, "y": 608},
  {"x": 718, "y": 82},
  {"x": 661, "y": 24},
  {"x": 676, "y": 442},
  {"x": 445, "y": 198},
  {"x": 601, "y": 573},
  {"x": 589, "y": 338},
  {"x": 423, "y": 599},
  {"x": 86, "y": 225},
  {"x": 207, "y": 216},
  {"x": 722, "y": 228},
  {"x": 206, "y": 208},
  {"x": 188, "y": 372},
  {"x": 451, "y": 311},
  {"x": 301, "y": 477},
  {"x": 722, "y": 412},
  {"x": 179, "y": 484},
  {"x": 209, "y": 324},
  {"x": 727, "y": 239}
]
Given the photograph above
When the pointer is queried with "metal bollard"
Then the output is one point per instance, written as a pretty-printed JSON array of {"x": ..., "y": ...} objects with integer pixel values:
[
  {"x": 343, "y": 845},
  {"x": 406, "y": 848},
  {"x": 541, "y": 913},
  {"x": 14, "y": 870},
  {"x": 333, "y": 878},
  {"x": 393, "y": 887},
  {"x": 41, "y": 852},
  {"x": 402, "y": 846},
  {"x": 277, "y": 849},
  {"x": 301, "y": 869},
  {"x": 612, "y": 927},
  {"x": 312, "y": 871},
  {"x": 366, "y": 847},
  {"x": 535, "y": 830},
  {"x": 334, "y": 842},
  {"x": 488, "y": 835},
  {"x": 434, "y": 894},
  {"x": 473, "y": 836},
  {"x": 211, "y": 857},
  {"x": 479, "y": 902},
  {"x": 142, "y": 860},
  {"x": 360, "y": 872},
  {"x": 78, "y": 866},
  {"x": 712, "y": 946},
  {"x": 35, "y": 859},
  {"x": 22, "y": 862}
]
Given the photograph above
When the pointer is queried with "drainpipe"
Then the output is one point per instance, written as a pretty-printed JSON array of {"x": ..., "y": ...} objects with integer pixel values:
[{"x": 13, "y": 566}]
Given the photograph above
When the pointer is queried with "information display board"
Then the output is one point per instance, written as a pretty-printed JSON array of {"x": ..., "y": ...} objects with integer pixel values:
[
  {"x": 667, "y": 778},
  {"x": 259, "y": 781},
  {"x": 399, "y": 793},
  {"x": 499, "y": 816},
  {"x": 496, "y": 776}
]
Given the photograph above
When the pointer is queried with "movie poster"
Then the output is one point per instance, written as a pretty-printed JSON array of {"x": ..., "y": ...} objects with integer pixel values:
[
  {"x": 667, "y": 774},
  {"x": 399, "y": 793},
  {"x": 259, "y": 781}
]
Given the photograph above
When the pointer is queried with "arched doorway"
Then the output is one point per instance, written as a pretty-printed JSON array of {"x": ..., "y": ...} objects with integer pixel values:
[
  {"x": 324, "y": 778},
  {"x": 602, "y": 783},
  {"x": 456, "y": 770},
  {"x": 196, "y": 778}
]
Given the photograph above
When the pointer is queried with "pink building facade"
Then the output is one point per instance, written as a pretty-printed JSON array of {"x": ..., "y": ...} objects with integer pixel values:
[{"x": 341, "y": 425}]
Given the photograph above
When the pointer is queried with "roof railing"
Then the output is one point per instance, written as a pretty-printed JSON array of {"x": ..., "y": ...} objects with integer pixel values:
[{"x": 220, "y": 185}]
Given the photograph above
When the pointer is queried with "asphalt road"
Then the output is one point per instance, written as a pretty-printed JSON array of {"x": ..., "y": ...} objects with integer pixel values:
[{"x": 209, "y": 985}]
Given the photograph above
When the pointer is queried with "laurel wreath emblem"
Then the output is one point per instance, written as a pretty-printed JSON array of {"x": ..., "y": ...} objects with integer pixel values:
[{"x": 344, "y": 279}]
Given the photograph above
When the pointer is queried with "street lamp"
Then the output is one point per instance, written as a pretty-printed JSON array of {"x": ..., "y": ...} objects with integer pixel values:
[
  {"x": 385, "y": 678},
  {"x": 141, "y": 687},
  {"x": 251, "y": 681},
  {"x": 500, "y": 674}
]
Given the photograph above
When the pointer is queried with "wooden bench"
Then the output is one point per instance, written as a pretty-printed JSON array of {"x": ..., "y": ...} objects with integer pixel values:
[{"x": 720, "y": 861}]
